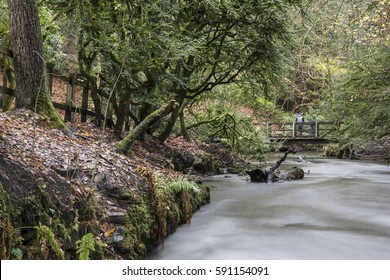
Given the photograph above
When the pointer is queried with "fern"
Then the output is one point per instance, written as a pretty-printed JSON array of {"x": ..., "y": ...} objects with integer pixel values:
[
  {"x": 17, "y": 254},
  {"x": 85, "y": 245},
  {"x": 46, "y": 237},
  {"x": 181, "y": 185}
]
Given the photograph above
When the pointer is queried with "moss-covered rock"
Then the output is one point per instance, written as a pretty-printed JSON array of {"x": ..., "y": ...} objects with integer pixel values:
[{"x": 294, "y": 173}]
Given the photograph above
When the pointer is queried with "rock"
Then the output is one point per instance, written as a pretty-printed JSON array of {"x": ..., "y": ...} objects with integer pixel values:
[
  {"x": 234, "y": 170},
  {"x": 207, "y": 163},
  {"x": 117, "y": 240},
  {"x": 182, "y": 160},
  {"x": 116, "y": 217},
  {"x": 301, "y": 159},
  {"x": 68, "y": 173},
  {"x": 294, "y": 173}
]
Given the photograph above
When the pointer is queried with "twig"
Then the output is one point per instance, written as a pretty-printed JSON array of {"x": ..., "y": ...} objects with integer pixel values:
[{"x": 98, "y": 152}]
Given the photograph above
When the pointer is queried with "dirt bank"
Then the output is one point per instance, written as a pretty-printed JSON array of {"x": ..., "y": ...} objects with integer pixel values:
[{"x": 74, "y": 198}]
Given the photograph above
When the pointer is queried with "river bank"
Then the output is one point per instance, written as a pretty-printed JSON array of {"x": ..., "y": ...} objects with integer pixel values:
[{"x": 76, "y": 198}]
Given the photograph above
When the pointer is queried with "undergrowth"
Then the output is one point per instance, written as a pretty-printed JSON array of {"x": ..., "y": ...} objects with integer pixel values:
[{"x": 159, "y": 212}]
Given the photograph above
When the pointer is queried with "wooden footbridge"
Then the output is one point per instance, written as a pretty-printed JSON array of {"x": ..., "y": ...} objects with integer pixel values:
[{"x": 303, "y": 132}]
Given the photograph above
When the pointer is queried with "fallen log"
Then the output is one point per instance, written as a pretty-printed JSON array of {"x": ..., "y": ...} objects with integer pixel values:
[{"x": 272, "y": 174}]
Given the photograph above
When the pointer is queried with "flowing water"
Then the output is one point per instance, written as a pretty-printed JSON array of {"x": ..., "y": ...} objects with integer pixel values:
[{"x": 340, "y": 210}]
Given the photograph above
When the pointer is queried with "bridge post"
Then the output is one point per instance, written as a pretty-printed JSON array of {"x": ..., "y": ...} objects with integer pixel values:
[
  {"x": 317, "y": 130},
  {"x": 294, "y": 130},
  {"x": 269, "y": 132}
]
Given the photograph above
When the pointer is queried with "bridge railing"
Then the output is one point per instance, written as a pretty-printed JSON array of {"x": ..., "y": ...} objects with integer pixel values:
[{"x": 302, "y": 130}]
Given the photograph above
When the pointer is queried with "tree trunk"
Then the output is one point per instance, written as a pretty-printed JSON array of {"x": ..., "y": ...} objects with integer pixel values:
[
  {"x": 125, "y": 144},
  {"x": 29, "y": 67},
  {"x": 27, "y": 47},
  {"x": 183, "y": 128},
  {"x": 268, "y": 176},
  {"x": 121, "y": 117},
  {"x": 171, "y": 122}
]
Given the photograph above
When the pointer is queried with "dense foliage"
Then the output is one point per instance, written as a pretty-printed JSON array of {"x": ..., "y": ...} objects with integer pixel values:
[{"x": 327, "y": 58}]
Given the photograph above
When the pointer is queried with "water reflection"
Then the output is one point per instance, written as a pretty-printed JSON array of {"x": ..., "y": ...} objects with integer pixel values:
[{"x": 341, "y": 210}]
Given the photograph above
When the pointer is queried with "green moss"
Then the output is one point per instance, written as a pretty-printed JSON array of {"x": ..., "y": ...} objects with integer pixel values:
[
  {"x": 10, "y": 238},
  {"x": 138, "y": 234},
  {"x": 6, "y": 209},
  {"x": 208, "y": 163},
  {"x": 38, "y": 207},
  {"x": 295, "y": 173},
  {"x": 45, "y": 107},
  {"x": 234, "y": 170}
]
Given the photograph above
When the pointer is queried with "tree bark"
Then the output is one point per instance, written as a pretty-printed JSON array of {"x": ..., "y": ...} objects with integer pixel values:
[
  {"x": 29, "y": 66},
  {"x": 27, "y": 47},
  {"x": 172, "y": 121},
  {"x": 183, "y": 128},
  {"x": 125, "y": 144},
  {"x": 170, "y": 125}
]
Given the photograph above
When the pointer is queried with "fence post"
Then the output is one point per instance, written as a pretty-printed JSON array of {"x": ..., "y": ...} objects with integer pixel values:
[
  {"x": 70, "y": 98},
  {"x": 317, "y": 130},
  {"x": 84, "y": 102},
  {"x": 269, "y": 130},
  {"x": 49, "y": 70},
  {"x": 294, "y": 130},
  {"x": 2, "y": 95}
]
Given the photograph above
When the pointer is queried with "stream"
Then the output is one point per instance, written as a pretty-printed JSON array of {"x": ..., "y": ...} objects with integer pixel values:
[{"x": 340, "y": 210}]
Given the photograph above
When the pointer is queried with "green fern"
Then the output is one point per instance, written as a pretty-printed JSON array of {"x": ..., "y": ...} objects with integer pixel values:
[
  {"x": 17, "y": 254},
  {"x": 85, "y": 245},
  {"x": 46, "y": 236},
  {"x": 181, "y": 185}
]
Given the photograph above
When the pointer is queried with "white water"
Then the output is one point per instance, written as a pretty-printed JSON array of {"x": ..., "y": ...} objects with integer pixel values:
[{"x": 341, "y": 210}]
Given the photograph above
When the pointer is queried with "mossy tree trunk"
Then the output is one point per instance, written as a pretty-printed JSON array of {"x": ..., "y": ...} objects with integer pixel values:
[
  {"x": 29, "y": 66},
  {"x": 152, "y": 118},
  {"x": 268, "y": 176},
  {"x": 183, "y": 128}
]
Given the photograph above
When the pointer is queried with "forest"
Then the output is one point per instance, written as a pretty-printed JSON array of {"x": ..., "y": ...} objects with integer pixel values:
[{"x": 176, "y": 90}]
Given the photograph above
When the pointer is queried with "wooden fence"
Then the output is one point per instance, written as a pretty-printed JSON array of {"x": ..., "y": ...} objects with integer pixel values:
[{"x": 72, "y": 81}]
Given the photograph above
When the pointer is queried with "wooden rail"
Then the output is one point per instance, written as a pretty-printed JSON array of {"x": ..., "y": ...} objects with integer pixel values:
[
  {"x": 303, "y": 132},
  {"x": 72, "y": 82}
]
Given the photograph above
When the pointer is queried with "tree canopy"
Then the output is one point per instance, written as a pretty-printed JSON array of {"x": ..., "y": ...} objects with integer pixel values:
[{"x": 277, "y": 56}]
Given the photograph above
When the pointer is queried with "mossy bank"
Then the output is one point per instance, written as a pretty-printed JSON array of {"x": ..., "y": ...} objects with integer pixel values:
[
  {"x": 77, "y": 198},
  {"x": 42, "y": 217}
]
